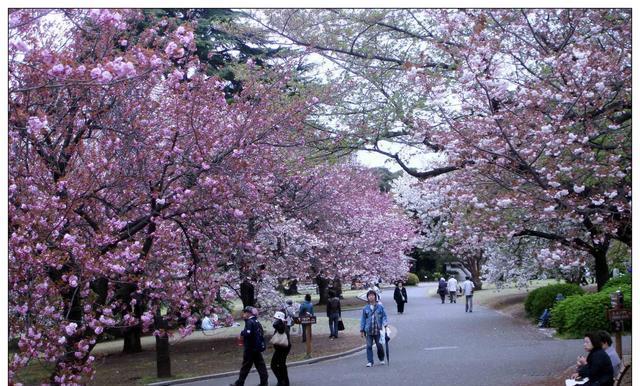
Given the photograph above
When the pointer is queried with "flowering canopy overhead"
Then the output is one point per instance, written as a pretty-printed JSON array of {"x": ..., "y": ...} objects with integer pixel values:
[{"x": 136, "y": 188}]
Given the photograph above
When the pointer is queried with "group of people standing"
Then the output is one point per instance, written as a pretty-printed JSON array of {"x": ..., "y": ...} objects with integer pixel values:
[{"x": 450, "y": 287}]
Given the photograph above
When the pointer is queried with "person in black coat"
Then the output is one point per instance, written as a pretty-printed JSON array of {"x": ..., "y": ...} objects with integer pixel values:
[
  {"x": 400, "y": 296},
  {"x": 597, "y": 365},
  {"x": 443, "y": 289},
  {"x": 254, "y": 345},
  {"x": 280, "y": 353}
]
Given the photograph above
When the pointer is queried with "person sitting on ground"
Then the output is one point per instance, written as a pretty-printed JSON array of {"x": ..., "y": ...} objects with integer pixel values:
[
  {"x": 207, "y": 323},
  {"x": 597, "y": 365}
]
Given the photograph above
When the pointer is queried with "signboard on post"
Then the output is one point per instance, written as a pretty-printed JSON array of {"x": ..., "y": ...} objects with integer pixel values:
[
  {"x": 310, "y": 319},
  {"x": 617, "y": 316}
]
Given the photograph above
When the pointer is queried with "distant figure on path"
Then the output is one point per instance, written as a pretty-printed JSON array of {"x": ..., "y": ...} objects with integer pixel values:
[
  {"x": 442, "y": 289},
  {"x": 453, "y": 289},
  {"x": 400, "y": 296},
  {"x": 597, "y": 366},
  {"x": 467, "y": 288},
  {"x": 305, "y": 309},
  {"x": 372, "y": 321},
  {"x": 334, "y": 313},
  {"x": 254, "y": 345}
]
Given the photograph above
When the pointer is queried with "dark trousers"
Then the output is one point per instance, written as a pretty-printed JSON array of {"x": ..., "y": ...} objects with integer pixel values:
[
  {"x": 279, "y": 365},
  {"x": 452, "y": 296},
  {"x": 400, "y": 307},
  {"x": 333, "y": 324},
  {"x": 250, "y": 358},
  {"x": 442, "y": 295}
]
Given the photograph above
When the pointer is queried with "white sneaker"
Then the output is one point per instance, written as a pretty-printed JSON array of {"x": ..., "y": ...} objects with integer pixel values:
[
  {"x": 382, "y": 362},
  {"x": 369, "y": 364}
]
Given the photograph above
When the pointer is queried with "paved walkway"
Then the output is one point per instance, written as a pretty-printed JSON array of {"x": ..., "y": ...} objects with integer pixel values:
[{"x": 440, "y": 344}]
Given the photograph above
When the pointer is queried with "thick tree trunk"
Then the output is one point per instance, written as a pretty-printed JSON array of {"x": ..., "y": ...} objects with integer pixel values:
[
  {"x": 132, "y": 340},
  {"x": 602, "y": 268},
  {"x": 73, "y": 311},
  {"x": 323, "y": 286},
  {"x": 163, "y": 358},
  {"x": 247, "y": 294}
]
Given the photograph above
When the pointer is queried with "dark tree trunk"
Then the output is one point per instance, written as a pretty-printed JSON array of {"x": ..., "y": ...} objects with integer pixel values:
[
  {"x": 602, "y": 268},
  {"x": 247, "y": 294},
  {"x": 323, "y": 286},
  {"x": 163, "y": 358},
  {"x": 73, "y": 310},
  {"x": 132, "y": 342}
]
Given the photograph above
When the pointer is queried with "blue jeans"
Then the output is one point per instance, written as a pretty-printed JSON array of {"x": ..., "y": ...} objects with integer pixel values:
[
  {"x": 370, "y": 340},
  {"x": 333, "y": 324},
  {"x": 469, "y": 304}
]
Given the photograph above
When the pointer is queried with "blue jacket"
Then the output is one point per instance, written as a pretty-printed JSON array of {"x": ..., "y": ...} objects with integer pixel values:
[
  {"x": 306, "y": 307},
  {"x": 367, "y": 317}
]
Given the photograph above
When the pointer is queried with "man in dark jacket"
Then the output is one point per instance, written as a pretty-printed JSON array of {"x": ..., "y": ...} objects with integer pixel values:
[
  {"x": 333, "y": 313},
  {"x": 254, "y": 345}
]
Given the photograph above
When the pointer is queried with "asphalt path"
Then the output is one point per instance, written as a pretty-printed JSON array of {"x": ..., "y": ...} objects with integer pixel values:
[{"x": 440, "y": 344}]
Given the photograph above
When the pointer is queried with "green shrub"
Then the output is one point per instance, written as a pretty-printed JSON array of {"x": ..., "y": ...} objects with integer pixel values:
[
  {"x": 613, "y": 284},
  {"x": 576, "y": 315},
  {"x": 412, "y": 279},
  {"x": 544, "y": 297}
]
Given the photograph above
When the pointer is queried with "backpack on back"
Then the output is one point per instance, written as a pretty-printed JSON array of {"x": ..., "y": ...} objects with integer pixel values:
[{"x": 261, "y": 345}]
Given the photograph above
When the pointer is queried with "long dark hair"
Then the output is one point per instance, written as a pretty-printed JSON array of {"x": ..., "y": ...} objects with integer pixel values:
[{"x": 596, "y": 340}]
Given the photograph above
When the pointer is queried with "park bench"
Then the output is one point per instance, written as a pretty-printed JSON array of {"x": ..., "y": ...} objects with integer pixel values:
[{"x": 624, "y": 377}]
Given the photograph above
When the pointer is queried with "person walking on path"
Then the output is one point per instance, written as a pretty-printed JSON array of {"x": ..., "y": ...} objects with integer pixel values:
[
  {"x": 452, "y": 284},
  {"x": 597, "y": 365},
  {"x": 442, "y": 289},
  {"x": 254, "y": 345},
  {"x": 400, "y": 296},
  {"x": 280, "y": 352},
  {"x": 290, "y": 312},
  {"x": 372, "y": 321},
  {"x": 306, "y": 309},
  {"x": 334, "y": 313},
  {"x": 467, "y": 288}
]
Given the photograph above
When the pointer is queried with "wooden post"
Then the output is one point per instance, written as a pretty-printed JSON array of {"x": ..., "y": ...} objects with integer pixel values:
[
  {"x": 309, "y": 335},
  {"x": 619, "y": 345}
]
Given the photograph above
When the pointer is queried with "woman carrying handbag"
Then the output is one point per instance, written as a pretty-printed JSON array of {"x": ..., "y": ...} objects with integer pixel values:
[{"x": 281, "y": 345}]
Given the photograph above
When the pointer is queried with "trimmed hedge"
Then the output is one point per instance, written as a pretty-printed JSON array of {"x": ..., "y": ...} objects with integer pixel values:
[
  {"x": 612, "y": 284},
  {"x": 412, "y": 279},
  {"x": 544, "y": 297},
  {"x": 576, "y": 315}
]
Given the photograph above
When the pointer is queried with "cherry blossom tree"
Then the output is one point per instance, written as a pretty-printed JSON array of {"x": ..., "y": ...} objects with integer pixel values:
[
  {"x": 137, "y": 189},
  {"x": 532, "y": 109},
  {"x": 128, "y": 171}
]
